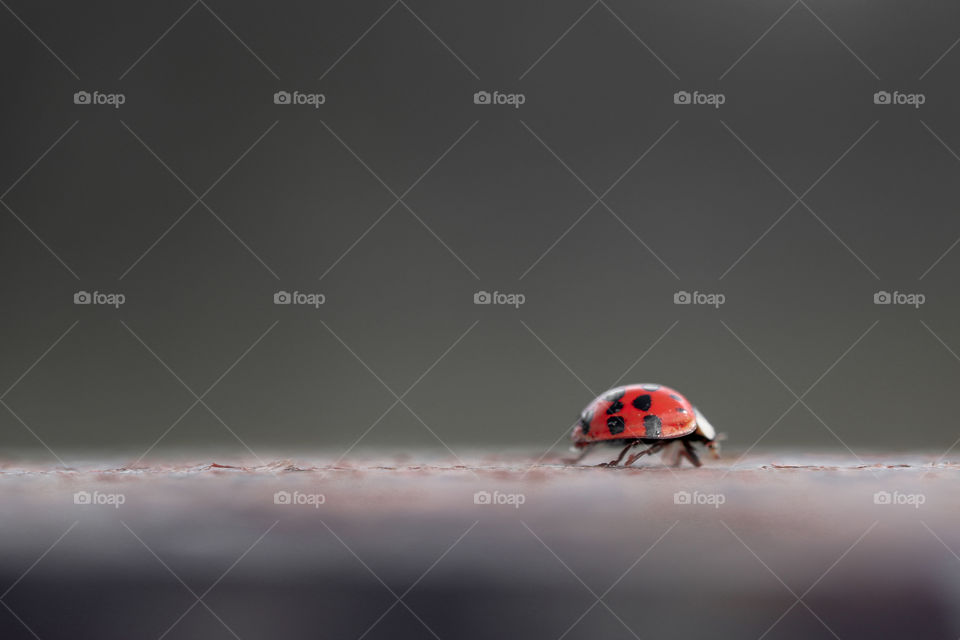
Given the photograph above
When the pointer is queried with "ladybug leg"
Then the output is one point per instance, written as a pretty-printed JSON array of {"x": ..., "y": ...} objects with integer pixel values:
[
  {"x": 671, "y": 454},
  {"x": 647, "y": 451},
  {"x": 690, "y": 454},
  {"x": 614, "y": 463}
]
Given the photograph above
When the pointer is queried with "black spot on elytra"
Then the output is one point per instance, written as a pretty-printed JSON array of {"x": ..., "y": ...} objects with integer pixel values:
[
  {"x": 615, "y": 424},
  {"x": 681, "y": 410},
  {"x": 642, "y": 402},
  {"x": 652, "y": 424},
  {"x": 615, "y": 407}
]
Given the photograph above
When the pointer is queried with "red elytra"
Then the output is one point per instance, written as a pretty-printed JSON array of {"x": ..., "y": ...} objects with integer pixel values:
[{"x": 648, "y": 411}]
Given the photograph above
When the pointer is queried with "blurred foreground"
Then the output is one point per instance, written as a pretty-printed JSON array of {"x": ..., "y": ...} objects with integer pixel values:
[{"x": 780, "y": 545}]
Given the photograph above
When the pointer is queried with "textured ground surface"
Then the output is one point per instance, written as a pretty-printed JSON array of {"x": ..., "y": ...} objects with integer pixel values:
[{"x": 780, "y": 545}]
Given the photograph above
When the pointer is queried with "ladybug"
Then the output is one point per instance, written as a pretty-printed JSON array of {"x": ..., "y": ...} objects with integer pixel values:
[{"x": 643, "y": 414}]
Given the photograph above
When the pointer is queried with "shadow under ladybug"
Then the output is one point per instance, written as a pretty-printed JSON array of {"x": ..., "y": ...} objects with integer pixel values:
[{"x": 648, "y": 415}]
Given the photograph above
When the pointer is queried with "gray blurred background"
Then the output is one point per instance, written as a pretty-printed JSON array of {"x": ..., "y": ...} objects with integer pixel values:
[{"x": 297, "y": 198}]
